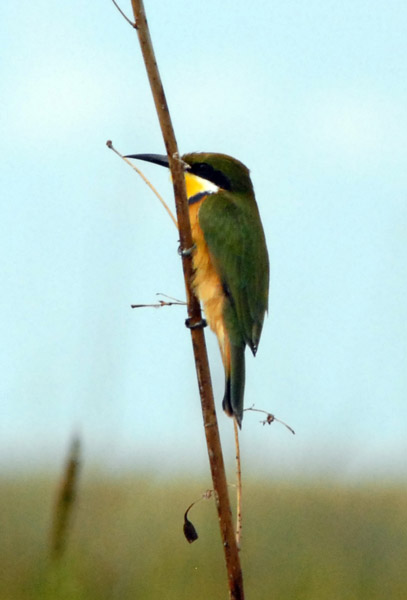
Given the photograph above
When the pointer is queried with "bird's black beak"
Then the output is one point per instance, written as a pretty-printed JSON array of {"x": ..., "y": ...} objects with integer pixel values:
[{"x": 157, "y": 159}]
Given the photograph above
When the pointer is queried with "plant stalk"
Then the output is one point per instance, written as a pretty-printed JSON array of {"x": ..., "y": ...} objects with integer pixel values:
[{"x": 234, "y": 571}]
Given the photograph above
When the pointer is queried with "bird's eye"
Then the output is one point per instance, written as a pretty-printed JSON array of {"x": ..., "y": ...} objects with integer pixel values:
[{"x": 207, "y": 172}]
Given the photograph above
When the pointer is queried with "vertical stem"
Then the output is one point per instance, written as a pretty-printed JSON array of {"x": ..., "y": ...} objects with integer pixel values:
[
  {"x": 234, "y": 571},
  {"x": 65, "y": 500},
  {"x": 238, "y": 487}
]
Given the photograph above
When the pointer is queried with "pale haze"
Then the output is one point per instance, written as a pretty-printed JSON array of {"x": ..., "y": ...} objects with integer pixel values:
[{"x": 312, "y": 97}]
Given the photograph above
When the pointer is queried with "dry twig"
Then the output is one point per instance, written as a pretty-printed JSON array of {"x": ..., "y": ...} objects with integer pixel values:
[
  {"x": 161, "y": 303},
  {"x": 270, "y": 418},
  {"x": 109, "y": 144}
]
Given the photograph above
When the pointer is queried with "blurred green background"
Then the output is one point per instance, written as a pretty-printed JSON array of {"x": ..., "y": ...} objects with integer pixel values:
[
  {"x": 308, "y": 541},
  {"x": 311, "y": 96}
]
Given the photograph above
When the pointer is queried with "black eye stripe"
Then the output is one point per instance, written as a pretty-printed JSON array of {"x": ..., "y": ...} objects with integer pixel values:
[{"x": 207, "y": 172}]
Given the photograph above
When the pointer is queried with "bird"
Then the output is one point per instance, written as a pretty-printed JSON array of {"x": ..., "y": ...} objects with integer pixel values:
[{"x": 230, "y": 259}]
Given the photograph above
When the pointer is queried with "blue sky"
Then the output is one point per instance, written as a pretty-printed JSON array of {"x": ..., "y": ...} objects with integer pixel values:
[{"x": 312, "y": 97}]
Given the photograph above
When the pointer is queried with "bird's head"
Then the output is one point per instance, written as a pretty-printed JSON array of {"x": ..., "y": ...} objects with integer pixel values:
[{"x": 221, "y": 171}]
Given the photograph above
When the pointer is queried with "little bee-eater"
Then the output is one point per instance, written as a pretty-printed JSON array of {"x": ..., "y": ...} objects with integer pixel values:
[{"x": 230, "y": 259}]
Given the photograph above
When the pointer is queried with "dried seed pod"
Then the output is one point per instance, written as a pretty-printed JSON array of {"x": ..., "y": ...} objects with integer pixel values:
[{"x": 189, "y": 530}]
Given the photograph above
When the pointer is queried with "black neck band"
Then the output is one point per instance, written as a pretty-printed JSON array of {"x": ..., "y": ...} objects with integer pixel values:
[{"x": 197, "y": 197}]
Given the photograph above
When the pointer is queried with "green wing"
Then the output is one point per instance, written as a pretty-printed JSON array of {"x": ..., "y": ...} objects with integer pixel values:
[{"x": 234, "y": 234}]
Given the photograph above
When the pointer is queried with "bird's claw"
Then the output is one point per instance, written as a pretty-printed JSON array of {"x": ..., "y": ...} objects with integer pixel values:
[
  {"x": 186, "y": 251},
  {"x": 197, "y": 325}
]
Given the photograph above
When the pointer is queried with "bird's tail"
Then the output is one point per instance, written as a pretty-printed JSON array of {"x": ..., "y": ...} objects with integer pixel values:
[{"x": 234, "y": 386}]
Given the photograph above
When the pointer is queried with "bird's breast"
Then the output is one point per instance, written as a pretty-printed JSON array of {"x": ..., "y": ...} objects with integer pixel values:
[{"x": 206, "y": 282}]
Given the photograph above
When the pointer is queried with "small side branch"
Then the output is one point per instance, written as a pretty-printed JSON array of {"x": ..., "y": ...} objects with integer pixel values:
[
  {"x": 134, "y": 25},
  {"x": 270, "y": 418},
  {"x": 161, "y": 303},
  {"x": 109, "y": 144}
]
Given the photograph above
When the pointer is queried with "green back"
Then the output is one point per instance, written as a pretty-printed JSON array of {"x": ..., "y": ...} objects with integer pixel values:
[{"x": 232, "y": 228}]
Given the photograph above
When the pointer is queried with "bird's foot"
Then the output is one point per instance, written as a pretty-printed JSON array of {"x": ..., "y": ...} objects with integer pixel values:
[
  {"x": 198, "y": 325},
  {"x": 186, "y": 251}
]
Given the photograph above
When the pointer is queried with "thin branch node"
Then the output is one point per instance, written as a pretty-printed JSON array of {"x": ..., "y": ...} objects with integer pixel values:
[{"x": 134, "y": 25}]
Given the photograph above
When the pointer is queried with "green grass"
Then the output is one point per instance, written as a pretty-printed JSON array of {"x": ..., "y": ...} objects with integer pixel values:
[{"x": 299, "y": 541}]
